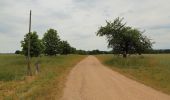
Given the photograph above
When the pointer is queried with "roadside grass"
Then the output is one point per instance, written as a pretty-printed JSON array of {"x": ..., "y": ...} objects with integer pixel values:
[
  {"x": 151, "y": 69},
  {"x": 12, "y": 67},
  {"x": 48, "y": 84}
]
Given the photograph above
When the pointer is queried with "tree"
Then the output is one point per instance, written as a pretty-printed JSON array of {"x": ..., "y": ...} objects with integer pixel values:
[
  {"x": 65, "y": 47},
  {"x": 18, "y": 52},
  {"x": 94, "y": 52},
  {"x": 51, "y": 42},
  {"x": 143, "y": 44},
  {"x": 81, "y": 52},
  {"x": 36, "y": 46},
  {"x": 124, "y": 39},
  {"x": 73, "y": 50}
]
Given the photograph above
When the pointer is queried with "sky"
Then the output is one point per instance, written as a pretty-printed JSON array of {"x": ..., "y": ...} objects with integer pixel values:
[{"x": 77, "y": 21}]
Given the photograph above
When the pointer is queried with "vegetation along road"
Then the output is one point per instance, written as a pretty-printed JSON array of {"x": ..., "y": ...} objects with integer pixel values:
[
  {"x": 47, "y": 85},
  {"x": 90, "y": 80}
]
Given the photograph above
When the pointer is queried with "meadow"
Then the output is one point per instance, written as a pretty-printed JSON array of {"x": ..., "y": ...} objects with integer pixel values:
[
  {"x": 48, "y": 84},
  {"x": 150, "y": 69}
]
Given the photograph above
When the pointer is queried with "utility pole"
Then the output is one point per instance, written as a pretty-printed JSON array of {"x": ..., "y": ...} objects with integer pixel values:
[{"x": 29, "y": 72}]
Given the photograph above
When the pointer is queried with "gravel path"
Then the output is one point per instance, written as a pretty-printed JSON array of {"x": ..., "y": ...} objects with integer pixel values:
[{"x": 90, "y": 80}]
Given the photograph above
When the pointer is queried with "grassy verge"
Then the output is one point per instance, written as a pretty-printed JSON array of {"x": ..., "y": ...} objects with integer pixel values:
[
  {"x": 46, "y": 85},
  {"x": 152, "y": 70}
]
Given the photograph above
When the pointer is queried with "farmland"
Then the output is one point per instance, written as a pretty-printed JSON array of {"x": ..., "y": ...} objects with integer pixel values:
[
  {"x": 150, "y": 69},
  {"x": 48, "y": 84}
]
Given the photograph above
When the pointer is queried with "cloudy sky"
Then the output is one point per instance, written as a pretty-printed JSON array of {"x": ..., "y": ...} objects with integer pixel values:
[{"x": 78, "y": 20}]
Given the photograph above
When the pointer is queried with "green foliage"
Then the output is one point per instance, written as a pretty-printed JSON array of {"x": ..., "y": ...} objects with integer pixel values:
[
  {"x": 65, "y": 47},
  {"x": 124, "y": 39},
  {"x": 18, "y": 52},
  {"x": 49, "y": 45},
  {"x": 94, "y": 52},
  {"x": 159, "y": 51},
  {"x": 81, "y": 52},
  {"x": 73, "y": 50},
  {"x": 51, "y": 41},
  {"x": 151, "y": 69},
  {"x": 36, "y": 46}
]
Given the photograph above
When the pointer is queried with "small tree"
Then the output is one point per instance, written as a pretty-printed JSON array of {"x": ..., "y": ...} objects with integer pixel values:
[
  {"x": 73, "y": 50},
  {"x": 124, "y": 39},
  {"x": 51, "y": 42},
  {"x": 36, "y": 46},
  {"x": 65, "y": 47},
  {"x": 18, "y": 52}
]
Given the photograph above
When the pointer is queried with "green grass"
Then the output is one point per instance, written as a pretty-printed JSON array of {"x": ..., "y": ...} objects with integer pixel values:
[
  {"x": 12, "y": 67},
  {"x": 152, "y": 70},
  {"x": 48, "y": 84}
]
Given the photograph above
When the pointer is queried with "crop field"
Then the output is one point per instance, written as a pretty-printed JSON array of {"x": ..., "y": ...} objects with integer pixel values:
[
  {"x": 48, "y": 84},
  {"x": 150, "y": 69}
]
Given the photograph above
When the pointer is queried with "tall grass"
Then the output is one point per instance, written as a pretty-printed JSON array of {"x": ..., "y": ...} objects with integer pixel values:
[
  {"x": 152, "y": 70},
  {"x": 48, "y": 84},
  {"x": 12, "y": 67}
]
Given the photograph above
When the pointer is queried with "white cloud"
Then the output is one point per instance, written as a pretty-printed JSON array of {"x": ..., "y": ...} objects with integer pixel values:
[{"x": 78, "y": 20}]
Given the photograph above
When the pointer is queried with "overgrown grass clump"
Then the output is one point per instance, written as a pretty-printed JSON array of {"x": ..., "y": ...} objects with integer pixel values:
[
  {"x": 48, "y": 84},
  {"x": 152, "y": 70}
]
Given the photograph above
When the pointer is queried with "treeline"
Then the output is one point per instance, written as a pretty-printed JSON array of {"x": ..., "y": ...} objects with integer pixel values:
[
  {"x": 92, "y": 52},
  {"x": 159, "y": 51},
  {"x": 80, "y": 52},
  {"x": 50, "y": 45},
  {"x": 95, "y": 52}
]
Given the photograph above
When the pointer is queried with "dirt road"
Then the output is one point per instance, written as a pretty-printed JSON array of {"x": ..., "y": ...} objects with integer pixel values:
[{"x": 90, "y": 80}]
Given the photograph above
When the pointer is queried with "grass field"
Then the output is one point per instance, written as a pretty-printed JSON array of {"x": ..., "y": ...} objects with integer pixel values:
[
  {"x": 152, "y": 70},
  {"x": 48, "y": 84}
]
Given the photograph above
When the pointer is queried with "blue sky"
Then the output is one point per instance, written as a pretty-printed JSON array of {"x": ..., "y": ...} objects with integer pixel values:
[{"x": 78, "y": 20}]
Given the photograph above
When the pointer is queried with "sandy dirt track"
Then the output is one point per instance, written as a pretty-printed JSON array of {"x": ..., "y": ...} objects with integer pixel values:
[{"x": 90, "y": 80}]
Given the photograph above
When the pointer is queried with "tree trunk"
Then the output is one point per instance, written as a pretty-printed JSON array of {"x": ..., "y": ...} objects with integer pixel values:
[
  {"x": 29, "y": 72},
  {"x": 37, "y": 69},
  {"x": 125, "y": 54}
]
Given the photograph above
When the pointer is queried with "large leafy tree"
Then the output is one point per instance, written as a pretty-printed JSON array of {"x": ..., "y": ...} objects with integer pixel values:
[
  {"x": 51, "y": 42},
  {"x": 124, "y": 39},
  {"x": 36, "y": 46}
]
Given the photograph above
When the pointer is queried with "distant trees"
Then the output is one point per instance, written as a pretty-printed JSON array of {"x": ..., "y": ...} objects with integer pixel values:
[
  {"x": 51, "y": 45},
  {"x": 158, "y": 51},
  {"x": 36, "y": 47},
  {"x": 51, "y": 42},
  {"x": 18, "y": 52},
  {"x": 65, "y": 47},
  {"x": 73, "y": 50},
  {"x": 92, "y": 52},
  {"x": 124, "y": 39},
  {"x": 81, "y": 52}
]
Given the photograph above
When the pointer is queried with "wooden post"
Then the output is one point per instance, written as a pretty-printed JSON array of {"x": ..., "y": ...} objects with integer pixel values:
[
  {"x": 29, "y": 72},
  {"x": 37, "y": 67}
]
